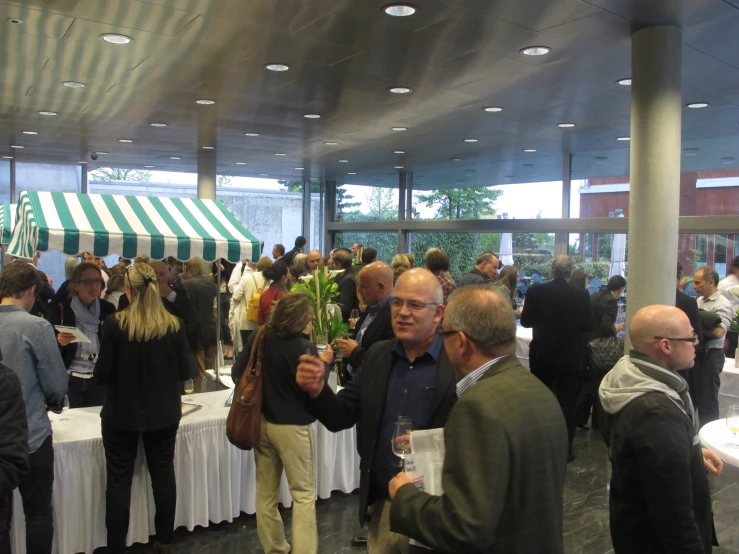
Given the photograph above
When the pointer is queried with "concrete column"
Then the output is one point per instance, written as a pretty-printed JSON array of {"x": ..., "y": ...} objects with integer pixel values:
[
  {"x": 206, "y": 174},
  {"x": 83, "y": 179},
  {"x": 13, "y": 191},
  {"x": 654, "y": 199},
  {"x": 405, "y": 192},
  {"x": 306, "y": 214},
  {"x": 329, "y": 239},
  {"x": 562, "y": 239}
]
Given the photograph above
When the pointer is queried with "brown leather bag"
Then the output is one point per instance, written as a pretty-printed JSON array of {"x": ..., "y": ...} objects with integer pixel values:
[{"x": 244, "y": 416}]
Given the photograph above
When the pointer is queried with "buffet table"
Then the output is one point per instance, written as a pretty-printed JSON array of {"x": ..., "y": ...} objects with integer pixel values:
[
  {"x": 728, "y": 394},
  {"x": 215, "y": 480},
  {"x": 717, "y": 437},
  {"x": 523, "y": 340}
]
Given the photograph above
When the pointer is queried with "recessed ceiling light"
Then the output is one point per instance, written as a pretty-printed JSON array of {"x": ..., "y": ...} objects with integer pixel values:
[
  {"x": 398, "y": 151},
  {"x": 30, "y": 133},
  {"x": 205, "y": 102},
  {"x": 312, "y": 116},
  {"x": 493, "y": 109},
  {"x": 101, "y": 153},
  {"x": 209, "y": 147},
  {"x": 691, "y": 153},
  {"x": 7, "y": 157},
  {"x": 264, "y": 174},
  {"x": 400, "y": 90},
  {"x": 528, "y": 165},
  {"x": 125, "y": 140},
  {"x": 459, "y": 182},
  {"x": 48, "y": 113},
  {"x": 299, "y": 168},
  {"x": 530, "y": 150},
  {"x": 698, "y": 105},
  {"x": 399, "y": 10},
  {"x": 73, "y": 84},
  {"x": 148, "y": 166},
  {"x": 175, "y": 158},
  {"x": 691, "y": 149},
  {"x": 535, "y": 50},
  {"x": 469, "y": 172},
  {"x": 470, "y": 140},
  {"x": 240, "y": 163},
  {"x": 277, "y": 67},
  {"x": 566, "y": 125},
  {"x": 351, "y": 173},
  {"x": 114, "y": 38},
  {"x": 623, "y": 138},
  {"x": 624, "y": 82},
  {"x": 456, "y": 159},
  {"x": 16, "y": 146},
  {"x": 509, "y": 176},
  {"x": 398, "y": 167},
  {"x": 601, "y": 158},
  {"x": 158, "y": 124},
  {"x": 728, "y": 158},
  {"x": 280, "y": 154},
  {"x": 15, "y": 21},
  {"x": 251, "y": 134},
  {"x": 82, "y": 163},
  {"x": 400, "y": 128},
  {"x": 343, "y": 161},
  {"x": 330, "y": 143}
]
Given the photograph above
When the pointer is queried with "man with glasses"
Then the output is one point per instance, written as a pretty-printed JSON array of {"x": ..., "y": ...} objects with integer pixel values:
[
  {"x": 707, "y": 380},
  {"x": 506, "y": 444},
  {"x": 409, "y": 376},
  {"x": 660, "y": 498}
]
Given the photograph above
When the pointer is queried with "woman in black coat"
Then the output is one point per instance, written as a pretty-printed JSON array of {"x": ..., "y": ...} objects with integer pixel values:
[{"x": 143, "y": 359}]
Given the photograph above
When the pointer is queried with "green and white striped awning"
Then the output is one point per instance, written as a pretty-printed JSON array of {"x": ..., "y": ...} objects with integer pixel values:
[
  {"x": 130, "y": 226},
  {"x": 7, "y": 221}
]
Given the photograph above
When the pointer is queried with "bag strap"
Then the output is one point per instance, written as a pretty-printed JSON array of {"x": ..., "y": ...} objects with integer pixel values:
[
  {"x": 255, "y": 284},
  {"x": 255, "y": 356}
]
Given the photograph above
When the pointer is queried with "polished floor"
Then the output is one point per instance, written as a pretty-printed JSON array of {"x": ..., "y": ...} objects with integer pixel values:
[{"x": 585, "y": 514}]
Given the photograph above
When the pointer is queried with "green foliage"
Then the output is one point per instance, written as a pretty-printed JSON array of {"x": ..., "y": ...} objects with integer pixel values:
[
  {"x": 462, "y": 249},
  {"x": 465, "y": 203},
  {"x": 120, "y": 174},
  {"x": 543, "y": 263},
  {"x": 297, "y": 186},
  {"x": 321, "y": 296},
  {"x": 223, "y": 180}
]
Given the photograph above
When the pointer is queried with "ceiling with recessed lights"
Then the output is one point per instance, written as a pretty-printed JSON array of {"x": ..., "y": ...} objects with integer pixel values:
[{"x": 337, "y": 88}]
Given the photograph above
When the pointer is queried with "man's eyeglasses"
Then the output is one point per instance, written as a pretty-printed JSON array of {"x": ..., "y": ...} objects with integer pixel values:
[
  {"x": 91, "y": 282},
  {"x": 692, "y": 339},
  {"x": 413, "y": 305},
  {"x": 450, "y": 332}
]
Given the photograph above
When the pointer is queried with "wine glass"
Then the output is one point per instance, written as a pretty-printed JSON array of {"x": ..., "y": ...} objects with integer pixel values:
[
  {"x": 321, "y": 344},
  {"x": 732, "y": 422},
  {"x": 402, "y": 438},
  {"x": 189, "y": 387},
  {"x": 353, "y": 318}
]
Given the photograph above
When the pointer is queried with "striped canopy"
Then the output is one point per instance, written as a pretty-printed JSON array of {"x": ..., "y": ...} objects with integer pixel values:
[
  {"x": 7, "y": 221},
  {"x": 130, "y": 226}
]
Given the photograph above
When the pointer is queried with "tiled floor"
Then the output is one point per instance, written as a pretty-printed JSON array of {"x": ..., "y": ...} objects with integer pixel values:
[{"x": 585, "y": 514}]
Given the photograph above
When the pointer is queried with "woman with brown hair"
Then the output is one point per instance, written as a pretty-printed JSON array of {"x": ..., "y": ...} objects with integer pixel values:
[
  {"x": 508, "y": 280},
  {"x": 276, "y": 276}
]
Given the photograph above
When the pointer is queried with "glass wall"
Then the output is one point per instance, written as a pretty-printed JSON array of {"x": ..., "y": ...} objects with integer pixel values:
[
  {"x": 385, "y": 243},
  {"x": 47, "y": 177},
  {"x": 364, "y": 203},
  {"x": 5, "y": 182}
]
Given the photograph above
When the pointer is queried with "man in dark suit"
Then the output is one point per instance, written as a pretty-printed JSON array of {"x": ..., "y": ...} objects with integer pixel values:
[
  {"x": 408, "y": 376},
  {"x": 174, "y": 298},
  {"x": 689, "y": 306},
  {"x": 201, "y": 336},
  {"x": 376, "y": 288},
  {"x": 347, "y": 282},
  {"x": 299, "y": 245},
  {"x": 560, "y": 316},
  {"x": 506, "y": 444}
]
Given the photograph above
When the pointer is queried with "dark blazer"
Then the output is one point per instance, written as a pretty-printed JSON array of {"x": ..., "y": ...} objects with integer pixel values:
[
  {"x": 202, "y": 292},
  {"x": 362, "y": 403},
  {"x": 605, "y": 312},
  {"x": 689, "y": 306},
  {"x": 181, "y": 307},
  {"x": 287, "y": 259},
  {"x": 63, "y": 314},
  {"x": 143, "y": 378},
  {"x": 560, "y": 316},
  {"x": 348, "y": 300},
  {"x": 504, "y": 471},
  {"x": 381, "y": 328},
  {"x": 14, "y": 463}
]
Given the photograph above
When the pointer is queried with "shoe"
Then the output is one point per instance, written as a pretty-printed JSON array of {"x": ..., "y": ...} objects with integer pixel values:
[
  {"x": 583, "y": 427},
  {"x": 160, "y": 548},
  {"x": 361, "y": 540},
  {"x": 571, "y": 457}
]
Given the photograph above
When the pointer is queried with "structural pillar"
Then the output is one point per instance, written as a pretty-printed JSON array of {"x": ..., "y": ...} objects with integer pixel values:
[
  {"x": 562, "y": 238},
  {"x": 654, "y": 198},
  {"x": 405, "y": 198},
  {"x": 207, "y": 174},
  {"x": 330, "y": 214},
  {"x": 306, "y": 213},
  {"x": 84, "y": 188},
  {"x": 13, "y": 192}
]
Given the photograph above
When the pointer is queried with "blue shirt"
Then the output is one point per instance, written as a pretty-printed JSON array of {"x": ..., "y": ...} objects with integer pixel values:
[
  {"x": 411, "y": 392},
  {"x": 30, "y": 349}
]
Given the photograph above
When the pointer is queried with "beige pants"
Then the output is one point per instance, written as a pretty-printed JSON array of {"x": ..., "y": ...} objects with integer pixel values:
[
  {"x": 206, "y": 359},
  {"x": 381, "y": 539},
  {"x": 289, "y": 447}
]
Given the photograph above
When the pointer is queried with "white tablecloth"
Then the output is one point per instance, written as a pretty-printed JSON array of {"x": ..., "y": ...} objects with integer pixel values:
[
  {"x": 215, "y": 480},
  {"x": 728, "y": 394},
  {"x": 523, "y": 340},
  {"x": 716, "y": 436}
]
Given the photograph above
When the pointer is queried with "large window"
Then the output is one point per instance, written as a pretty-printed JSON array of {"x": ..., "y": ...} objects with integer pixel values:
[
  {"x": 47, "y": 177},
  {"x": 5, "y": 183},
  {"x": 385, "y": 243},
  {"x": 356, "y": 203}
]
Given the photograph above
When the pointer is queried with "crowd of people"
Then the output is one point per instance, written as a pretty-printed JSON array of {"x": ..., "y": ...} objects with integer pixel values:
[{"x": 425, "y": 346}]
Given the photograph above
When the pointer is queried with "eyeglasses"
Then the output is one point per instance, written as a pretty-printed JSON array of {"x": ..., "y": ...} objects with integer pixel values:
[
  {"x": 413, "y": 305},
  {"x": 91, "y": 282},
  {"x": 449, "y": 333},
  {"x": 692, "y": 339}
]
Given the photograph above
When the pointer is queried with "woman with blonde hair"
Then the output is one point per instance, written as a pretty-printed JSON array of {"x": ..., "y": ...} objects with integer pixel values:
[
  {"x": 251, "y": 282},
  {"x": 115, "y": 291},
  {"x": 144, "y": 357},
  {"x": 400, "y": 264}
]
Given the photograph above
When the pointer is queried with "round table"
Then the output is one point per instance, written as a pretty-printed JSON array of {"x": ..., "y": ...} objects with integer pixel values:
[{"x": 715, "y": 436}]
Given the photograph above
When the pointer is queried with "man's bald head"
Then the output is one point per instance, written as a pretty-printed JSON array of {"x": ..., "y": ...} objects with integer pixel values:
[
  {"x": 314, "y": 259},
  {"x": 375, "y": 282},
  {"x": 422, "y": 279},
  {"x": 667, "y": 322}
]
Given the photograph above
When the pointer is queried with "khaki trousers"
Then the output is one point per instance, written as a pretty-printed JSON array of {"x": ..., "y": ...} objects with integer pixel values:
[
  {"x": 381, "y": 540},
  {"x": 206, "y": 358},
  {"x": 289, "y": 447}
]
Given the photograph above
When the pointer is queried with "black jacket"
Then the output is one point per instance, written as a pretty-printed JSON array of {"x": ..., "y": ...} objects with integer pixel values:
[
  {"x": 660, "y": 499},
  {"x": 561, "y": 317},
  {"x": 474, "y": 277},
  {"x": 202, "y": 292},
  {"x": 689, "y": 306},
  {"x": 362, "y": 403},
  {"x": 287, "y": 259},
  {"x": 605, "y": 311},
  {"x": 381, "y": 328},
  {"x": 63, "y": 314},
  {"x": 144, "y": 378},
  {"x": 13, "y": 437},
  {"x": 348, "y": 300}
]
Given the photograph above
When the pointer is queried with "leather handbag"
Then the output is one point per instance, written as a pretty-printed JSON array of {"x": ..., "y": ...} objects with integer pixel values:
[
  {"x": 244, "y": 416},
  {"x": 603, "y": 354}
]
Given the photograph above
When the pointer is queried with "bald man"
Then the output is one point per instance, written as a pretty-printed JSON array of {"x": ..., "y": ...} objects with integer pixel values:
[
  {"x": 376, "y": 288},
  {"x": 409, "y": 376},
  {"x": 314, "y": 260},
  {"x": 660, "y": 498}
]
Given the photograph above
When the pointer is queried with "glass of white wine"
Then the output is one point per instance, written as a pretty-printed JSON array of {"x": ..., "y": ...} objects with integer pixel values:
[
  {"x": 353, "y": 318},
  {"x": 732, "y": 422},
  {"x": 402, "y": 438},
  {"x": 189, "y": 387}
]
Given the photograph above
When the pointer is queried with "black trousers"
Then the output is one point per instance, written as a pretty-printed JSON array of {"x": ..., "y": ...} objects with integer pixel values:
[
  {"x": 85, "y": 393},
  {"x": 587, "y": 399},
  {"x": 35, "y": 490},
  {"x": 121, "y": 447},
  {"x": 565, "y": 384},
  {"x": 707, "y": 383},
  {"x": 732, "y": 338},
  {"x": 225, "y": 329}
]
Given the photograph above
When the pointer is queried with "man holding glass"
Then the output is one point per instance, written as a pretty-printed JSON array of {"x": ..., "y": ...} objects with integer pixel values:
[
  {"x": 409, "y": 376},
  {"x": 506, "y": 444}
]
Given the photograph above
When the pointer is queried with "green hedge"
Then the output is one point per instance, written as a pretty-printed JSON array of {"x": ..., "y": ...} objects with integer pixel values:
[{"x": 543, "y": 262}]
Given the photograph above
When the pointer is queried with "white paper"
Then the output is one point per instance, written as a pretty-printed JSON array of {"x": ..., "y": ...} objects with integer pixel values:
[
  {"x": 79, "y": 336},
  {"x": 426, "y": 463}
]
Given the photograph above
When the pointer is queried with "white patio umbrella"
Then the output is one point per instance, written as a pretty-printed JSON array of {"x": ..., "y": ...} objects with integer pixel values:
[
  {"x": 506, "y": 248},
  {"x": 618, "y": 256}
]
